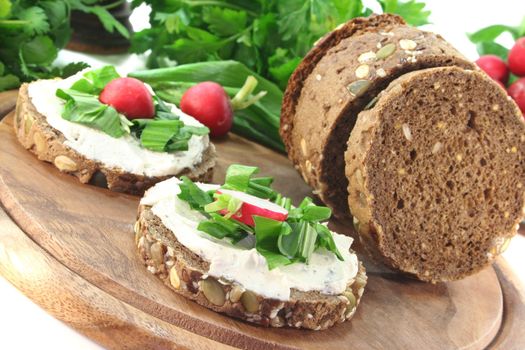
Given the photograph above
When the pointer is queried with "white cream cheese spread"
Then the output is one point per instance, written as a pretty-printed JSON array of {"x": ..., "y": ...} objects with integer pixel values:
[
  {"x": 325, "y": 273},
  {"x": 124, "y": 152}
]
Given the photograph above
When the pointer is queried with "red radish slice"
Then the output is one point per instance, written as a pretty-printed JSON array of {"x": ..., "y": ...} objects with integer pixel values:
[{"x": 254, "y": 206}]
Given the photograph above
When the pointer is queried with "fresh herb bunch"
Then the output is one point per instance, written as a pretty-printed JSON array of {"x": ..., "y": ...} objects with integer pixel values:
[
  {"x": 270, "y": 37},
  {"x": 280, "y": 242},
  {"x": 258, "y": 122},
  {"x": 485, "y": 38},
  {"x": 33, "y": 31},
  {"x": 165, "y": 133}
]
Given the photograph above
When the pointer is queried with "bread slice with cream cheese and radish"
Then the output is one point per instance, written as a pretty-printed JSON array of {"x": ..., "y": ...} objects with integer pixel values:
[
  {"x": 282, "y": 268},
  {"x": 111, "y": 150}
]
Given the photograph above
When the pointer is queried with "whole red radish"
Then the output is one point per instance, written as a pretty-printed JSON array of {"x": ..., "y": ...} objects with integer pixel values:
[
  {"x": 254, "y": 206},
  {"x": 130, "y": 97},
  {"x": 495, "y": 67},
  {"x": 517, "y": 57},
  {"x": 517, "y": 92},
  {"x": 210, "y": 104}
]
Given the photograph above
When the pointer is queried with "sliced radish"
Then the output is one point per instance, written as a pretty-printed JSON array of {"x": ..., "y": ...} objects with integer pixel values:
[{"x": 254, "y": 206}]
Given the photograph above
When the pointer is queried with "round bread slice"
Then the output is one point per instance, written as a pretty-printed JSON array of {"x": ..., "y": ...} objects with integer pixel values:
[
  {"x": 186, "y": 274},
  {"x": 336, "y": 80},
  {"x": 47, "y": 143},
  {"x": 436, "y": 173}
]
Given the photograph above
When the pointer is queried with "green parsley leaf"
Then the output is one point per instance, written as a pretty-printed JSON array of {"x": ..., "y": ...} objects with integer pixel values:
[
  {"x": 40, "y": 51},
  {"x": 35, "y": 20},
  {"x": 8, "y": 82},
  {"x": 5, "y": 8},
  {"x": 413, "y": 12},
  {"x": 71, "y": 69},
  {"x": 224, "y": 21}
]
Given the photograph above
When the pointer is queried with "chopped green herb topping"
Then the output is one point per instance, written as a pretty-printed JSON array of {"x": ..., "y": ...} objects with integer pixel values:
[
  {"x": 164, "y": 133},
  {"x": 280, "y": 242}
]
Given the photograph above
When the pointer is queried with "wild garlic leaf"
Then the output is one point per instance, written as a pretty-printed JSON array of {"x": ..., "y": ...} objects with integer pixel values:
[
  {"x": 238, "y": 177},
  {"x": 193, "y": 195},
  {"x": 326, "y": 240},
  {"x": 88, "y": 110},
  {"x": 490, "y": 33},
  {"x": 157, "y": 133},
  {"x": 492, "y": 48}
]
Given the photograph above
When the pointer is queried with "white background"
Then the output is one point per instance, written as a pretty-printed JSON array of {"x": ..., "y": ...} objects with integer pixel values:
[{"x": 23, "y": 325}]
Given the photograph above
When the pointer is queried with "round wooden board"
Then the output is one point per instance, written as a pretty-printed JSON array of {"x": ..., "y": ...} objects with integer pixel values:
[{"x": 75, "y": 256}]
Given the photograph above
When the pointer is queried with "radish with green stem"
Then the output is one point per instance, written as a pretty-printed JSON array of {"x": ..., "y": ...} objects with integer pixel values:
[{"x": 209, "y": 103}]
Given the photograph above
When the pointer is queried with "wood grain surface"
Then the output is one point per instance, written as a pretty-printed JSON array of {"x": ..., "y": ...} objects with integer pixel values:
[{"x": 88, "y": 230}]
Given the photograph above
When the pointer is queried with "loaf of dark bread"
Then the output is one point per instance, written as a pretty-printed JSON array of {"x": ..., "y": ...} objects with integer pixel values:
[
  {"x": 436, "y": 173},
  {"x": 47, "y": 143},
  {"x": 186, "y": 273},
  {"x": 336, "y": 80}
]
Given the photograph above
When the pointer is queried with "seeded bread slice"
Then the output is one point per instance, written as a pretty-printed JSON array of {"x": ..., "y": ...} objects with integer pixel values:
[
  {"x": 436, "y": 173},
  {"x": 47, "y": 143},
  {"x": 186, "y": 273},
  {"x": 336, "y": 80}
]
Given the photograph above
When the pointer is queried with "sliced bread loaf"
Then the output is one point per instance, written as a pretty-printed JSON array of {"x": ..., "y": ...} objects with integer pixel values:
[
  {"x": 48, "y": 144},
  {"x": 336, "y": 80},
  {"x": 436, "y": 173}
]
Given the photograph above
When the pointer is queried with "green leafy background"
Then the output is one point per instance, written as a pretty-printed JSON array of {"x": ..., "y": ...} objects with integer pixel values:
[
  {"x": 269, "y": 37},
  {"x": 33, "y": 31}
]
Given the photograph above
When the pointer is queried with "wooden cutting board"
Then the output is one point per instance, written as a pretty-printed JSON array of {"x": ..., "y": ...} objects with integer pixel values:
[{"x": 70, "y": 248}]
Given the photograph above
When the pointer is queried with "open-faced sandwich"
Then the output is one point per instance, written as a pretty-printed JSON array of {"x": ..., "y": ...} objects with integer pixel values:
[
  {"x": 244, "y": 250},
  {"x": 426, "y": 151},
  {"x": 97, "y": 124}
]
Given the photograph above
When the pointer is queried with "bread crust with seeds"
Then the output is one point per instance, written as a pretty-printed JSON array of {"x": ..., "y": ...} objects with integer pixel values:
[
  {"x": 47, "y": 143},
  {"x": 186, "y": 274},
  {"x": 436, "y": 171},
  {"x": 336, "y": 80}
]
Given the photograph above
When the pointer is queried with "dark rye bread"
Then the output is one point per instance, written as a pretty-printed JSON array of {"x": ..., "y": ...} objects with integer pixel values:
[
  {"x": 186, "y": 274},
  {"x": 436, "y": 172},
  {"x": 47, "y": 143},
  {"x": 319, "y": 111}
]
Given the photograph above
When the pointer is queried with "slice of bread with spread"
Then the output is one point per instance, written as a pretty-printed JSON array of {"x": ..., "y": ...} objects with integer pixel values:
[
  {"x": 436, "y": 173},
  {"x": 234, "y": 278},
  {"x": 91, "y": 155},
  {"x": 336, "y": 80}
]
